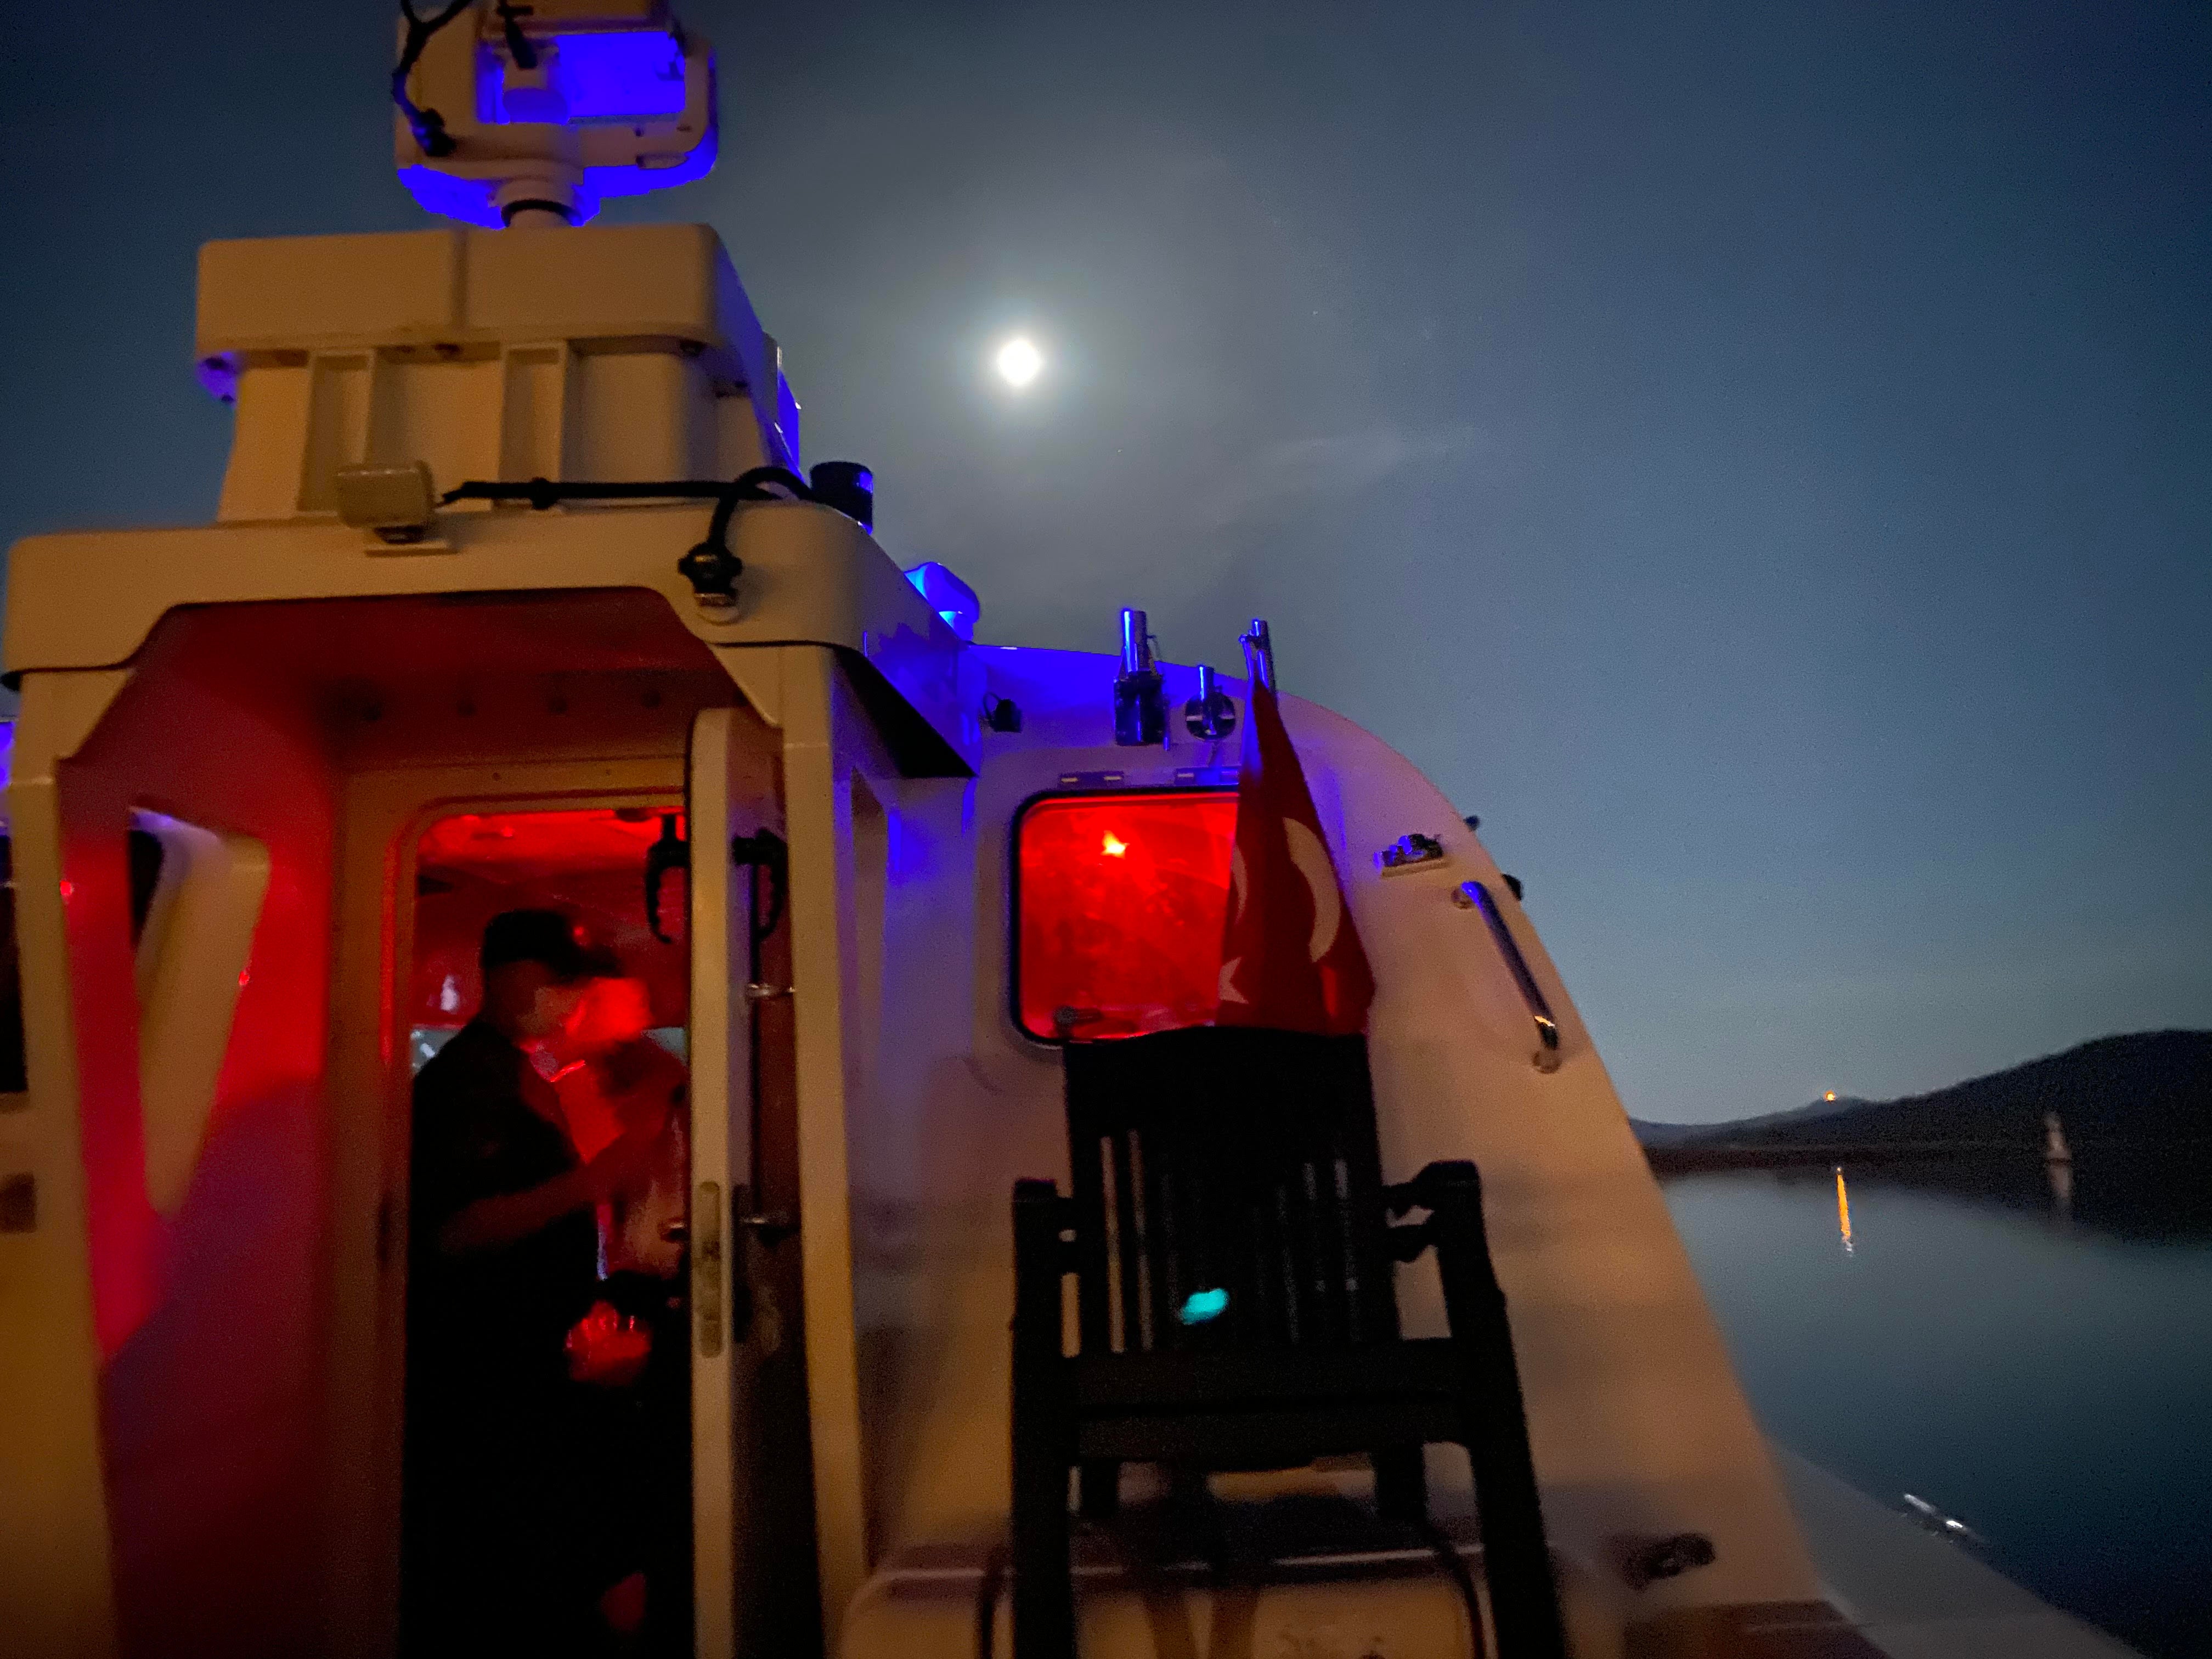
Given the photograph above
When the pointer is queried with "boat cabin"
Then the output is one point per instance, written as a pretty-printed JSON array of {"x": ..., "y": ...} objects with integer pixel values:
[{"x": 271, "y": 774}]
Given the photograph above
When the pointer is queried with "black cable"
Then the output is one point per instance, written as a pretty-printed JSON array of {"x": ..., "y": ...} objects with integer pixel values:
[
  {"x": 711, "y": 568},
  {"x": 543, "y": 493},
  {"x": 518, "y": 49},
  {"x": 428, "y": 125},
  {"x": 752, "y": 486}
]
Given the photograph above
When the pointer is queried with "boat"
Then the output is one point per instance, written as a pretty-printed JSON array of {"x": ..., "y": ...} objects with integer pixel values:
[{"x": 518, "y": 591}]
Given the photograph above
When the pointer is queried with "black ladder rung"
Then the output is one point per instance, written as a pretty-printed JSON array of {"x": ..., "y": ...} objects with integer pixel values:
[
  {"x": 1261, "y": 1377},
  {"x": 1278, "y": 1439}
]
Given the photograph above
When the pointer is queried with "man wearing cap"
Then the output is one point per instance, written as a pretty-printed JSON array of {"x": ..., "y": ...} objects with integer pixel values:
[{"x": 502, "y": 1261}]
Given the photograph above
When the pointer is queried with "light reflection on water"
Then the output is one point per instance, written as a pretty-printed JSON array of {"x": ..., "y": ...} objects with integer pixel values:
[{"x": 2046, "y": 1381}]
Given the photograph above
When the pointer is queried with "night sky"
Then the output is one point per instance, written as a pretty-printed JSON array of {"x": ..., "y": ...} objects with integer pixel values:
[{"x": 1756, "y": 456}]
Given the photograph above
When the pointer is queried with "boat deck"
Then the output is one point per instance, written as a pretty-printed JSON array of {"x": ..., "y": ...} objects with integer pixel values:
[{"x": 1915, "y": 1596}]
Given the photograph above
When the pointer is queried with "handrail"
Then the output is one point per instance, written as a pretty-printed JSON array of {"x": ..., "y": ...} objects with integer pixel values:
[{"x": 1473, "y": 896}]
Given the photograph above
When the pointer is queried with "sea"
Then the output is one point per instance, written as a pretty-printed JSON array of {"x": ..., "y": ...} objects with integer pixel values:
[{"x": 2024, "y": 1348}]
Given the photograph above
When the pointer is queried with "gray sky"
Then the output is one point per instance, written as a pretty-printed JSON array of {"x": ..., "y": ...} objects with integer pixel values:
[{"x": 1758, "y": 455}]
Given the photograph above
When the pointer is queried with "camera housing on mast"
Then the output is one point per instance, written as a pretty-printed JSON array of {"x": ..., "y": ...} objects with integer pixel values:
[{"x": 512, "y": 114}]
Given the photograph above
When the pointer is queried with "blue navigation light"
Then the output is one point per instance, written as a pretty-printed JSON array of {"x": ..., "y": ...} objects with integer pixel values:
[
  {"x": 1202, "y": 1305},
  {"x": 948, "y": 597},
  {"x": 595, "y": 76}
]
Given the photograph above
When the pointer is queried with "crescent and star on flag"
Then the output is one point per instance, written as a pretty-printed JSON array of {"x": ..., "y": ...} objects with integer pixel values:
[{"x": 1290, "y": 958}]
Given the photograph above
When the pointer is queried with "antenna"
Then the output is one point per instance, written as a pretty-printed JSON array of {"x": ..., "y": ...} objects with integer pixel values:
[{"x": 530, "y": 115}]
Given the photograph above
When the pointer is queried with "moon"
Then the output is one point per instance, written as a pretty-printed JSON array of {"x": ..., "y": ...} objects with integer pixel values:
[{"x": 1020, "y": 362}]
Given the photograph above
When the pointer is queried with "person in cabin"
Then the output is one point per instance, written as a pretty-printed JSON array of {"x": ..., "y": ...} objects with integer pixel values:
[
  {"x": 627, "y": 1083},
  {"x": 507, "y": 1498},
  {"x": 624, "y": 1082}
]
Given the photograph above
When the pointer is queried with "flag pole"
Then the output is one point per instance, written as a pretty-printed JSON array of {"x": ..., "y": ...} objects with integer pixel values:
[{"x": 1259, "y": 654}]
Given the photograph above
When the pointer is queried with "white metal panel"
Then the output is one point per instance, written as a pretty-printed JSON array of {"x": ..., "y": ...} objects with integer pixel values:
[{"x": 721, "y": 1171}]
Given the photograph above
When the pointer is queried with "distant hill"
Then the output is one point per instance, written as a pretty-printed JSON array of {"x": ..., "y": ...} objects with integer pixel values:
[
  {"x": 1682, "y": 1134},
  {"x": 2151, "y": 1088}
]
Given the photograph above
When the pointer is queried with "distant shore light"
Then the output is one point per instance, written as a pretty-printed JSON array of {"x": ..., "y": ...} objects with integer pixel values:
[
  {"x": 1831, "y": 1094},
  {"x": 1020, "y": 362}
]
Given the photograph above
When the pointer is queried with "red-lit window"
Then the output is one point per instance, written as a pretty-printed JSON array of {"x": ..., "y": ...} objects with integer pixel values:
[
  {"x": 589, "y": 862},
  {"x": 1119, "y": 901}
]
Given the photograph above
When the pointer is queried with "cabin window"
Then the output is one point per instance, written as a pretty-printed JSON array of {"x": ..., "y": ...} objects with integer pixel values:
[
  {"x": 145, "y": 853},
  {"x": 148, "y": 855},
  {"x": 1119, "y": 904},
  {"x": 196, "y": 899},
  {"x": 590, "y": 862},
  {"x": 13, "y": 1080}
]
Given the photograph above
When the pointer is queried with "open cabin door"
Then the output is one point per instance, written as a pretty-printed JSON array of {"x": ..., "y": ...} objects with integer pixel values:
[{"x": 723, "y": 1376}]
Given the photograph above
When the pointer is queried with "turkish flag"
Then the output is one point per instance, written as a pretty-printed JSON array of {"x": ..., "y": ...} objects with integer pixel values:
[{"x": 1290, "y": 958}]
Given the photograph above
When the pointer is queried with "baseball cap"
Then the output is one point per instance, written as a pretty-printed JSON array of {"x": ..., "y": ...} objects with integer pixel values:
[{"x": 540, "y": 936}]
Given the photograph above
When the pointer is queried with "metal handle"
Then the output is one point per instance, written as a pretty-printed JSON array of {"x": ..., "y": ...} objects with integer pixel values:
[
  {"x": 707, "y": 1264},
  {"x": 770, "y": 1226},
  {"x": 1473, "y": 896}
]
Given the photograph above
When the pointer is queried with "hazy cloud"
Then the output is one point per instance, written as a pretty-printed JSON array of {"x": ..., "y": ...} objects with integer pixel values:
[{"x": 1284, "y": 473}]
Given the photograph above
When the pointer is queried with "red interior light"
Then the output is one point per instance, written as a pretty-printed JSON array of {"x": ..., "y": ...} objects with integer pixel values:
[
  {"x": 589, "y": 862},
  {"x": 1119, "y": 901}
]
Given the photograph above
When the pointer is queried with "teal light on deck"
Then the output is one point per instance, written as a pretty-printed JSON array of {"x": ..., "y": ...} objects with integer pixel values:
[{"x": 1202, "y": 1305}]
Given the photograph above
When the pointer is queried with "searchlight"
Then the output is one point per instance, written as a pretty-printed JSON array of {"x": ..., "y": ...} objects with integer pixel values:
[{"x": 532, "y": 115}]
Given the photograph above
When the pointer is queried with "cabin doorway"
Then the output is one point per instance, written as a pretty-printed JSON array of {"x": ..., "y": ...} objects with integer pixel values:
[
  {"x": 588, "y": 1444},
  {"x": 642, "y": 1482}
]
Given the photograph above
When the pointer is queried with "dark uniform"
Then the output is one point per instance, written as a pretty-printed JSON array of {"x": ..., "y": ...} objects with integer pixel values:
[{"x": 503, "y": 1513}]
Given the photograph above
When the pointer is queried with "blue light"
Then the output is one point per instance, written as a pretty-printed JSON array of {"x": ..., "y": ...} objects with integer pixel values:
[
  {"x": 948, "y": 596},
  {"x": 639, "y": 104},
  {"x": 471, "y": 201},
  {"x": 1202, "y": 1305},
  {"x": 630, "y": 76}
]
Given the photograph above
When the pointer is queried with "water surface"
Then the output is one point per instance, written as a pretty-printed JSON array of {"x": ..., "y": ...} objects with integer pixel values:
[{"x": 2043, "y": 1378}]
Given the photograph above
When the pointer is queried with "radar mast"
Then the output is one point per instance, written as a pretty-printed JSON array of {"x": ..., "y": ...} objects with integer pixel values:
[{"x": 532, "y": 115}]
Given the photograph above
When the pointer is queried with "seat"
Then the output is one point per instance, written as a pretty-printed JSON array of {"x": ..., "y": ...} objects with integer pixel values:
[{"x": 1229, "y": 1234}]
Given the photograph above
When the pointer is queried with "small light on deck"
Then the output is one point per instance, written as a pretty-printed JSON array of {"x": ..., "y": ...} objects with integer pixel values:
[
  {"x": 1202, "y": 1305},
  {"x": 1114, "y": 847},
  {"x": 951, "y": 598}
]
